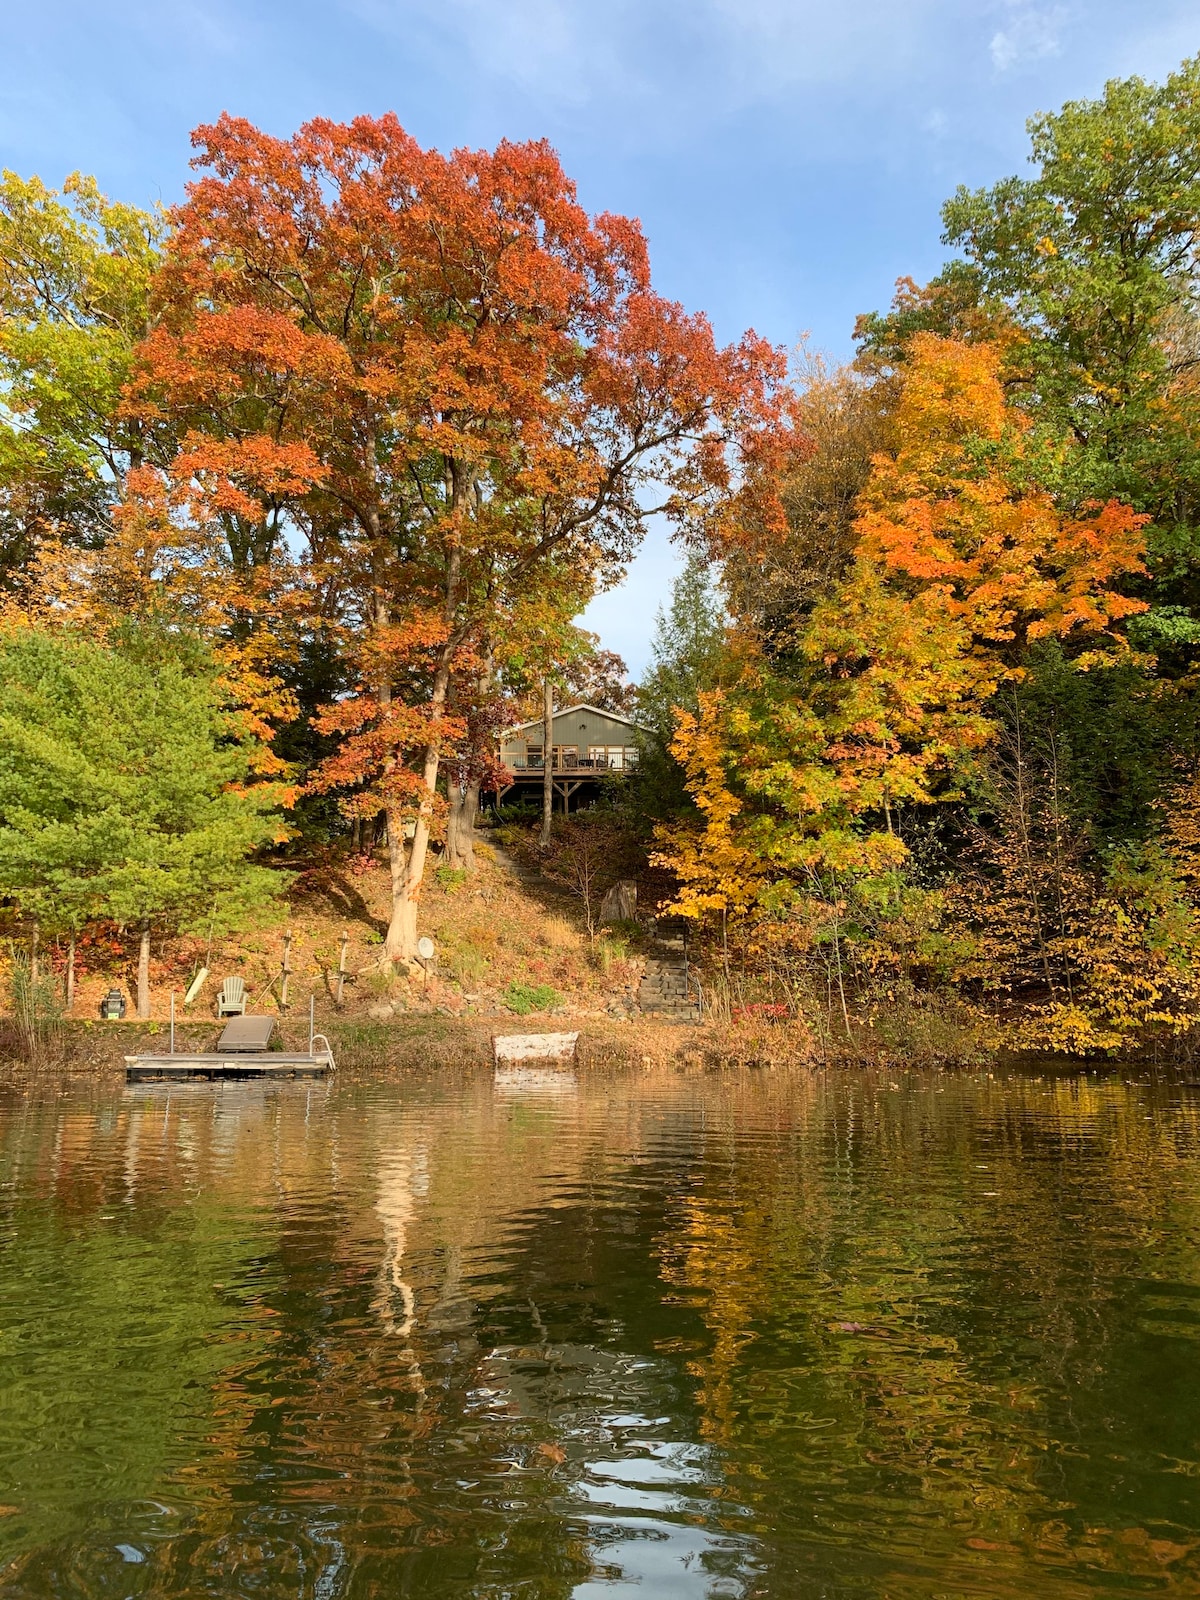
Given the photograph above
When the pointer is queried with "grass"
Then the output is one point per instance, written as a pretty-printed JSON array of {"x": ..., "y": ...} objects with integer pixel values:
[
  {"x": 608, "y": 950},
  {"x": 467, "y": 965},
  {"x": 558, "y": 934},
  {"x": 524, "y": 998}
]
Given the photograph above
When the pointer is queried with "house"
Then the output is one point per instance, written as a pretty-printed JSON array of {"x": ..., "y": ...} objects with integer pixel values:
[{"x": 586, "y": 745}]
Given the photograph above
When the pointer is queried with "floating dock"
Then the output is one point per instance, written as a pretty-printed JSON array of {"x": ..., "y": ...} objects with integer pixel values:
[
  {"x": 242, "y": 1052},
  {"x": 260, "y": 1064}
]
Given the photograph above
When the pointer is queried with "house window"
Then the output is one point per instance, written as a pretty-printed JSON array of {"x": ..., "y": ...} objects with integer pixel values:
[{"x": 617, "y": 757}]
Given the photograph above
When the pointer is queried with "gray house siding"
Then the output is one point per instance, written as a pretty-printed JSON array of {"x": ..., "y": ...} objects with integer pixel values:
[{"x": 578, "y": 732}]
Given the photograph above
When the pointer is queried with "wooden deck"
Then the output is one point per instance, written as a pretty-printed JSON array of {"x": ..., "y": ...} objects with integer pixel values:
[{"x": 567, "y": 779}]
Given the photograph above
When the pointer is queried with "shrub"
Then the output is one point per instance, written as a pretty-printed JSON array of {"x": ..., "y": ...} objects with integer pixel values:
[
  {"x": 526, "y": 997},
  {"x": 467, "y": 965},
  {"x": 509, "y": 835},
  {"x": 524, "y": 810},
  {"x": 609, "y": 948},
  {"x": 376, "y": 983},
  {"x": 451, "y": 878},
  {"x": 761, "y": 1011},
  {"x": 36, "y": 1010}
]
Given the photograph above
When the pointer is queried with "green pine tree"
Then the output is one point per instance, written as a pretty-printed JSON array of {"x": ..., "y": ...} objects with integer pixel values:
[{"x": 123, "y": 790}]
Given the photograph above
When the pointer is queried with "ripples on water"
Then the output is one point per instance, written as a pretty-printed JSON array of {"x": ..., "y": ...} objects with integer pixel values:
[{"x": 675, "y": 1337}]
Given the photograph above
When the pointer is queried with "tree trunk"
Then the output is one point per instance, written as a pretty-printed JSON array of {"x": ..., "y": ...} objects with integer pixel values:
[
  {"x": 460, "y": 826},
  {"x": 397, "y": 846},
  {"x": 408, "y": 865},
  {"x": 454, "y": 825},
  {"x": 470, "y": 805},
  {"x": 70, "y": 984},
  {"x": 466, "y": 825},
  {"x": 143, "y": 972},
  {"x": 547, "y": 757}
]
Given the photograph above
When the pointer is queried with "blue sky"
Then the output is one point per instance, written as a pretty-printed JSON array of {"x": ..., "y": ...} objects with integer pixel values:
[{"x": 787, "y": 158}]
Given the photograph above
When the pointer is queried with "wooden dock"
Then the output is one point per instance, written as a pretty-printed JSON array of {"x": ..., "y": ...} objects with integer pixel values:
[
  {"x": 242, "y": 1052},
  {"x": 212, "y": 1064}
]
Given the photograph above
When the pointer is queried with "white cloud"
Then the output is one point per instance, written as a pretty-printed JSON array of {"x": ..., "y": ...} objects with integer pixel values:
[
  {"x": 1030, "y": 33},
  {"x": 722, "y": 52},
  {"x": 549, "y": 46},
  {"x": 772, "y": 43}
]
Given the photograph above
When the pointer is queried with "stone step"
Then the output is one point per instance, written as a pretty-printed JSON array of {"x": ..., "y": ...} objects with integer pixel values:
[{"x": 666, "y": 989}]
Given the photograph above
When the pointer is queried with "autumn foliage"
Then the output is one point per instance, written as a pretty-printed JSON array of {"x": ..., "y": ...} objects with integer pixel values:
[
  {"x": 451, "y": 388},
  {"x": 879, "y": 704},
  {"x": 365, "y": 426}
]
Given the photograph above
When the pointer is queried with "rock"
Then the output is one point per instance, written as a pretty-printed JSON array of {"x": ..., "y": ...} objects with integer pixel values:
[
  {"x": 382, "y": 1012},
  {"x": 620, "y": 903}
]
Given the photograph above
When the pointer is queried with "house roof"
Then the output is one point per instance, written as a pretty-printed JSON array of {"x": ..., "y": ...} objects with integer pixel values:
[{"x": 569, "y": 711}]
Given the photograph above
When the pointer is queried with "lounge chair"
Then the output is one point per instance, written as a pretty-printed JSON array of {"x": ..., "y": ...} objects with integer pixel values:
[
  {"x": 246, "y": 1035},
  {"x": 231, "y": 998}
]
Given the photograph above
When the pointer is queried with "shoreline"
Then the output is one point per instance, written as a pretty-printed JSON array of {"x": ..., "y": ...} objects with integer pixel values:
[{"x": 416, "y": 1044}]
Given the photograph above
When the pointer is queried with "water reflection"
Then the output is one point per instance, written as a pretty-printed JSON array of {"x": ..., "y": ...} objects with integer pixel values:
[{"x": 678, "y": 1336}]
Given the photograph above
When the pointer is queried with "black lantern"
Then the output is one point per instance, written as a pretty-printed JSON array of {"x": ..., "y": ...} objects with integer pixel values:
[{"x": 113, "y": 1006}]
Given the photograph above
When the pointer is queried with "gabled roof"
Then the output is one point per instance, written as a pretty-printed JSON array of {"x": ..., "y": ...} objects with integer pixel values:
[{"x": 569, "y": 711}]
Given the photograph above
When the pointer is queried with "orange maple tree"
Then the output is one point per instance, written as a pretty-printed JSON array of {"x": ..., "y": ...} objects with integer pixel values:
[{"x": 442, "y": 378}]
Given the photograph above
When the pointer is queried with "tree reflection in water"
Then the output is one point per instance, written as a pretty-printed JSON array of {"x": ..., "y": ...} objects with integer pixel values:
[{"x": 677, "y": 1335}]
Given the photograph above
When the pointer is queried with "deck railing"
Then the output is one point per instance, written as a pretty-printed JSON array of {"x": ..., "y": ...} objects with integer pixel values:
[{"x": 559, "y": 763}]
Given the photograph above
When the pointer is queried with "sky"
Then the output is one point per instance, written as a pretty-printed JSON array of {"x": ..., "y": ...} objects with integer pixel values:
[{"x": 787, "y": 158}]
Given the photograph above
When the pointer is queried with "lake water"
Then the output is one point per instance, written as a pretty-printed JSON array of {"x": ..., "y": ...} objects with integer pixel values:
[{"x": 664, "y": 1336}]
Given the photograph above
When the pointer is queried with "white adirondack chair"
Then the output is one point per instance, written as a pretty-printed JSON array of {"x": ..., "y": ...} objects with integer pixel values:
[{"x": 231, "y": 998}]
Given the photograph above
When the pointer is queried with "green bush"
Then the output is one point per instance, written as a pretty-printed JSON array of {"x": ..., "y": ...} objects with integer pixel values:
[
  {"x": 524, "y": 810},
  {"x": 526, "y": 997},
  {"x": 509, "y": 834},
  {"x": 451, "y": 878}
]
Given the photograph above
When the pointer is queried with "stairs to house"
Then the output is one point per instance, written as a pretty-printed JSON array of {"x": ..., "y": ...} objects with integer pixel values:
[{"x": 666, "y": 989}]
